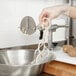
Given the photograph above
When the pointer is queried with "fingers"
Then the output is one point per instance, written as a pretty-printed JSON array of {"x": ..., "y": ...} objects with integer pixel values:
[
  {"x": 43, "y": 18},
  {"x": 45, "y": 22},
  {"x": 42, "y": 15}
]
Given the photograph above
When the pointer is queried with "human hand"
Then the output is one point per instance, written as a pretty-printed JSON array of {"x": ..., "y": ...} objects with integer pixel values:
[{"x": 50, "y": 13}]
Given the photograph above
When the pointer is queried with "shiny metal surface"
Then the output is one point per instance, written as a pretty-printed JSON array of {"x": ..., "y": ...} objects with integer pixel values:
[
  {"x": 16, "y": 57},
  {"x": 16, "y": 63},
  {"x": 9, "y": 70},
  {"x": 24, "y": 70},
  {"x": 28, "y": 25}
]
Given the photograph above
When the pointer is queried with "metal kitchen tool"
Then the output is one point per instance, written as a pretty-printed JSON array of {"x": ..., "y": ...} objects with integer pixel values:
[
  {"x": 16, "y": 56},
  {"x": 52, "y": 29},
  {"x": 28, "y": 25},
  {"x": 18, "y": 65},
  {"x": 55, "y": 26},
  {"x": 4, "y": 58}
]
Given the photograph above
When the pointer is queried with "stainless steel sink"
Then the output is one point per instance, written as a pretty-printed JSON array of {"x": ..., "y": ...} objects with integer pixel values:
[{"x": 14, "y": 62}]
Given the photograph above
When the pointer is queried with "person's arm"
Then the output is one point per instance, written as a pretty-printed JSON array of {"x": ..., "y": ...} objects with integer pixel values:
[
  {"x": 72, "y": 12},
  {"x": 55, "y": 11}
]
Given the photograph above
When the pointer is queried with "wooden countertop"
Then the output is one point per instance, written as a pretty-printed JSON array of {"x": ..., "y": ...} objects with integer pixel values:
[
  {"x": 60, "y": 69},
  {"x": 45, "y": 74}
]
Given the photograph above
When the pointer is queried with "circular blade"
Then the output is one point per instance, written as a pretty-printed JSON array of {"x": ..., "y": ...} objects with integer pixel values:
[{"x": 28, "y": 25}]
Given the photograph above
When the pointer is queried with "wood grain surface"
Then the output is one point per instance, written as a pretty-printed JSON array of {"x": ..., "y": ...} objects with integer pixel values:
[{"x": 60, "y": 69}]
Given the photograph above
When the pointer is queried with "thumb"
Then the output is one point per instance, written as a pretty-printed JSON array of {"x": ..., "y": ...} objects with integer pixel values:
[{"x": 46, "y": 22}]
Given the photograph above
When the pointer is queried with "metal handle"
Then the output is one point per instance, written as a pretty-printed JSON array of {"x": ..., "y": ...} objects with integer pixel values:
[
  {"x": 41, "y": 34},
  {"x": 55, "y": 26}
]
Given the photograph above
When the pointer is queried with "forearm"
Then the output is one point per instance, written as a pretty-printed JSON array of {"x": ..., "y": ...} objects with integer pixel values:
[{"x": 71, "y": 12}]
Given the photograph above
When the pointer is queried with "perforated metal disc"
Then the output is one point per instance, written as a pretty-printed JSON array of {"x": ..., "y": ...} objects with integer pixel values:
[{"x": 28, "y": 25}]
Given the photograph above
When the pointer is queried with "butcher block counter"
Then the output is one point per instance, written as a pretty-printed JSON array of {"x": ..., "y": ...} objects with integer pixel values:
[{"x": 63, "y": 65}]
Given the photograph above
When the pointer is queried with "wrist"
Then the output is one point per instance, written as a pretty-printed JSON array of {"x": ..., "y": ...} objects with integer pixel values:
[{"x": 66, "y": 10}]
